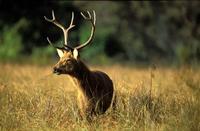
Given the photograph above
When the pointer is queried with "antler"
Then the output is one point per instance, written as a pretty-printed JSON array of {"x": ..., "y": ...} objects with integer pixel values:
[
  {"x": 65, "y": 30},
  {"x": 93, "y": 21},
  {"x": 66, "y": 47}
]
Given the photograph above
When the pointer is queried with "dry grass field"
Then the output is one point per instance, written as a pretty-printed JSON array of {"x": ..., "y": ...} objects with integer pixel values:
[{"x": 32, "y": 98}]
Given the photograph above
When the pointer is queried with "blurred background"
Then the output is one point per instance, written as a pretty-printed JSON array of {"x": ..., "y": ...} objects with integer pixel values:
[{"x": 166, "y": 33}]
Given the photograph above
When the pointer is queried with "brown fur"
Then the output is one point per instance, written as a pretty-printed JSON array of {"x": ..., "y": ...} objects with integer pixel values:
[{"x": 95, "y": 88}]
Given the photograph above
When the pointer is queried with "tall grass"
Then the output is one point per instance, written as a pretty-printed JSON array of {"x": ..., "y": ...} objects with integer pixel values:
[{"x": 32, "y": 98}]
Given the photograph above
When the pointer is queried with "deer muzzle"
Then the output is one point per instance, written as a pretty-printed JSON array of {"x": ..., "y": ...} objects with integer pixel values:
[{"x": 57, "y": 71}]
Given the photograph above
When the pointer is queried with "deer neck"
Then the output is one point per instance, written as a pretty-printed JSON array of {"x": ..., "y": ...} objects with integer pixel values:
[{"x": 81, "y": 75}]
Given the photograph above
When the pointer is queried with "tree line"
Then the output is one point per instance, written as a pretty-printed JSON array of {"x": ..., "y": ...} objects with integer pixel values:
[{"x": 134, "y": 31}]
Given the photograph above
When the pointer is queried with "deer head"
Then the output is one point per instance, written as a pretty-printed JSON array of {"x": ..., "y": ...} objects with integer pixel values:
[{"x": 69, "y": 56}]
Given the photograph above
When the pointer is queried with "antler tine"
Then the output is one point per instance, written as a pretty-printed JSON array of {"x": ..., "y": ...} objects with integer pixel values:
[
  {"x": 54, "y": 21},
  {"x": 50, "y": 20},
  {"x": 62, "y": 48},
  {"x": 85, "y": 17},
  {"x": 93, "y": 21},
  {"x": 71, "y": 23},
  {"x": 65, "y": 30},
  {"x": 51, "y": 43},
  {"x": 89, "y": 15},
  {"x": 94, "y": 14}
]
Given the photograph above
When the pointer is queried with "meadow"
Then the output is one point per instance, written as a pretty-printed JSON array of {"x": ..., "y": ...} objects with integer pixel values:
[{"x": 32, "y": 98}]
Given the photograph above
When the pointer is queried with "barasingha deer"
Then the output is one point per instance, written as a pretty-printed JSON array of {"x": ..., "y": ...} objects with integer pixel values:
[{"x": 95, "y": 88}]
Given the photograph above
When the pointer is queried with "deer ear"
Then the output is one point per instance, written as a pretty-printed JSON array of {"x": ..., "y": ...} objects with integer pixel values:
[
  {"x": 60, "y": 52},
  {"x": 75, "y": 53}
]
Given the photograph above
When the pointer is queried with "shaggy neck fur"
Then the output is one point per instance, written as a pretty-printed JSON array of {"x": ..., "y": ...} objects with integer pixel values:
[{"x": 81, "y": 76}]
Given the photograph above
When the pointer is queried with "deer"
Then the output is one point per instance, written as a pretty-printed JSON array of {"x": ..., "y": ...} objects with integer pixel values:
[{"x": 95, "y": 88}]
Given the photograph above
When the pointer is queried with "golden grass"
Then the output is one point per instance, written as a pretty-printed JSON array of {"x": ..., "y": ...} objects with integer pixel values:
[{"x": 32, "y": 98}]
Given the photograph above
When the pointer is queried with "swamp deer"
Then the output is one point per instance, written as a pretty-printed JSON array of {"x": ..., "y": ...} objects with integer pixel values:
[{"x": 95, "y": 88}]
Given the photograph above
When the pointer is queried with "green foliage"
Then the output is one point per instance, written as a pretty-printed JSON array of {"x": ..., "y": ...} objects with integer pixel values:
[
  {"x": 183, "y": 53},
  {"x": 187, "y": 53},
  {"x": 11, "y": 41},
  {"x": 148, "y": 31},
  {"x": 143, "y": 31},
  {"x": 94, "y": 52},
  {"x": 42, "y": 55}
]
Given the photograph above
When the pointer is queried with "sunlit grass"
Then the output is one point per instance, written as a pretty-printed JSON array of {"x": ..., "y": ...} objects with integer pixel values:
[{"x": 32, "y": 98}]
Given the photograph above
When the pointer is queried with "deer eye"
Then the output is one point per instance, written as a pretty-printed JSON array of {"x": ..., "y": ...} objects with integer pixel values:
[{"x": 68, "y": 61}]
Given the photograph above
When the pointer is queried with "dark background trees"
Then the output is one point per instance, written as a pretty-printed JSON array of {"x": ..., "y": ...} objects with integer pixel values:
[{"x": 144, "y": 32}]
